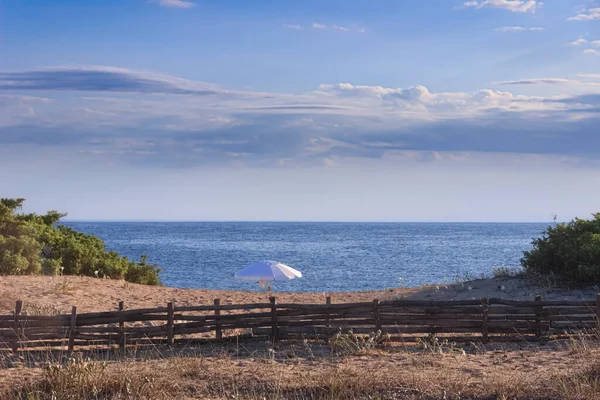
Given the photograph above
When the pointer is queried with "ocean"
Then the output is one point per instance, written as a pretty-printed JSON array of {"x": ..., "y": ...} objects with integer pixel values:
[{"x": 331, "y": 256}]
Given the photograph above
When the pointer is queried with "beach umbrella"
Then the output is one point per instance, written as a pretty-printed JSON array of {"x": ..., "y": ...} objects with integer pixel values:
[{"x": 266, "y": 271}]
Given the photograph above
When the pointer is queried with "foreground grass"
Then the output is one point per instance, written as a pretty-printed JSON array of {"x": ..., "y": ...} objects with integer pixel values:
[{"x": 311, "y": 372}]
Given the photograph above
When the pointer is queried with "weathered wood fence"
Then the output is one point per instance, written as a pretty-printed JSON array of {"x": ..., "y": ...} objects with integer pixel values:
[{"x": 403, "y": 320}]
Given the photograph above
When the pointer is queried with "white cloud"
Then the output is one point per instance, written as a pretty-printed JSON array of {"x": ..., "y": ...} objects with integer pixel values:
[
  {"x": 521, "y": 6},
  {"x": 595, "y": 43},
  {"x": 319, "y": 26},
  {"x": 586, "y": 15},
  {"x": 518, "y": 29},
  {"x": 362, "y": 30},
  {"x": 341, "y": 28},
  {"x": 175, "y": 3},
  {"x": 510, "y": 29},
  {"x": 291, "y": 26},
  {"x": 593, "y": 52},
  {"x": 537, "y": 81},
  {"x": 578, "y": 42},
  {"x": 171, "y": 121}
]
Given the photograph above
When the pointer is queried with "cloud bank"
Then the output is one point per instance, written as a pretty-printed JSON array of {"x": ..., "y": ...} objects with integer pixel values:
[{"x": 125, "y": 116}]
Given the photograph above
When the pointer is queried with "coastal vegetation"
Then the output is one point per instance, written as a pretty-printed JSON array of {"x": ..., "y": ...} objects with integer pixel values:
[
  {"x": 36, "y": 244},
  {"x": 569, "y": 252}
]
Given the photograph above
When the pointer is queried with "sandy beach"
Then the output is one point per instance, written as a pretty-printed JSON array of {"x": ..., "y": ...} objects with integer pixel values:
[{"x": 60, "y": 293}]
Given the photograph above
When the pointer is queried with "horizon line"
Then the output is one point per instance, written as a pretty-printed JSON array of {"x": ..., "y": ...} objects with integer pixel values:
[{"x": 303, "y": 221}]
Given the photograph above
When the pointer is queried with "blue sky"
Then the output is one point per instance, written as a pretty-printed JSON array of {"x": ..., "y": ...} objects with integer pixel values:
[{"x": 435, "y": 110}]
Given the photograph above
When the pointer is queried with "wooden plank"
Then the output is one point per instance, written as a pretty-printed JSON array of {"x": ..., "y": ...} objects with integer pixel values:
[
  {"x": 376, "y": 315},
  {"x": 115, "y": 314},
  {"x": 598, "y": 309},
  {"x": 232, "y": 317},
  {"x": 218, "y": 331},
  {"x": 484, "y": 323},
  {"x": 121, "y": 325},
  {"x": 72, "y": 330},
  {"x": 226, "y": 307},
  {"x": 273, "y": 319},
  {"x": 429, "y": 317},
  {"x": 431, "y": 310},
  {"x": 559, "y": 303},
  {"x": 432, "y": 303},
  {"x": 569, "y": 311},
  {"x": 538, "y": 314},
  {"x": 170, "y": 323},
  {"x": 124, "y": 318},
  {"x": 324, "y": 311},
  {"x": 573, "y": 324},
  {"x": 328, "y": 303},
  {"x": 18, "y": 308},
  {"x": 444, "y": 323},
  {"x": 63, "y": 331},
  {"x": 337, "y": 306},
  {"x": 495, "y": 309},
  {"x": 163, "y": 329},
  {"x": 198, "y": 329}
]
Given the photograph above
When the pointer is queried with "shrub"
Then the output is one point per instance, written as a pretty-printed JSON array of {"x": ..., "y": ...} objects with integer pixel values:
[
  {"x": 31, "y": 243},
  {"x": 570, "y": 251}
]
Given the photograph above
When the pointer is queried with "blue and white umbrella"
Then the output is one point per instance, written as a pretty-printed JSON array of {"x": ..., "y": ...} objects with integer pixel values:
[{"x": 266, "y": 271}]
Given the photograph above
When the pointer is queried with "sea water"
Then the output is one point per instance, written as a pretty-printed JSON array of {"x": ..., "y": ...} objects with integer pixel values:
[{"x": 331, "y": 256}]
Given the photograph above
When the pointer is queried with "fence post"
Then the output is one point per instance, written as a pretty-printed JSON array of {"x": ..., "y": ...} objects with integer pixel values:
[
  {"x": 170, "y": 323},
  {"x": 121, "y": 325},
  {"x": 16, "y": 328},
  {"x": 72, "y": 330},
  {"x": 538, "y": 314},
  {"x": 376, "y": 315},
  {"x": 328, "y": 302},
  {"x": 273, "y": 319},
  {"x": 218, "y": 331},
  {"x": 598, "y": 311},
  {"x": 484, "y": 325}
]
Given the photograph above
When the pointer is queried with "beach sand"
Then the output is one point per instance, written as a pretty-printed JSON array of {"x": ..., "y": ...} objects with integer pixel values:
[{"x": 60, "y": 293}]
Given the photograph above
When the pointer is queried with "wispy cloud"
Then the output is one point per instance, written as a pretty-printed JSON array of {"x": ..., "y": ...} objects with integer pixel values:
[
  {"x": 537, "y": 81},
  {"x": 586, "y": 15},
  {"x": 518, "y": 29},
  {"x": 520, "y": 6},
  {"x": 99, "y": 79},
  {"x": 362, "y": 30},
  {"x": 291, "y": 26},
  {"x": 108, "y": 112},
  {"x": 174, "y": 3},
  {"x": 578, "y": 42},
  {"x": 595, "y": 43},
  {"x": 593, "y": 52},
  {"x": 318, "y": 26},
  {"x": 341, "y": 28}
]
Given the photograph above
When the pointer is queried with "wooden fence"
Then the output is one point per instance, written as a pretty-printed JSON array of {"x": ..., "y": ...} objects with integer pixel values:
[{"x": 402, "y": 320}]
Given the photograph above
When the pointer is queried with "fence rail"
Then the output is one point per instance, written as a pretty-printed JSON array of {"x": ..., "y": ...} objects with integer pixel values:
[{"x": 484, "y": 319}]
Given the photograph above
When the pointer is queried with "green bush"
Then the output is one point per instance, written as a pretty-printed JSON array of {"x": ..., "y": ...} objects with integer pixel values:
[
  {"x": 569, "y": 251},
  {"x": 31, "y": 243}
]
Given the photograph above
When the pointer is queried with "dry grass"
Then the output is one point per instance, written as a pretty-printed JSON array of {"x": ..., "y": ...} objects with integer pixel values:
[{"x": 312, "y": 371}]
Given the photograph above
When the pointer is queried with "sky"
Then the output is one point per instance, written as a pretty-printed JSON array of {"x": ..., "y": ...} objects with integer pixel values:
[{"x": 328, "y": 110}]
